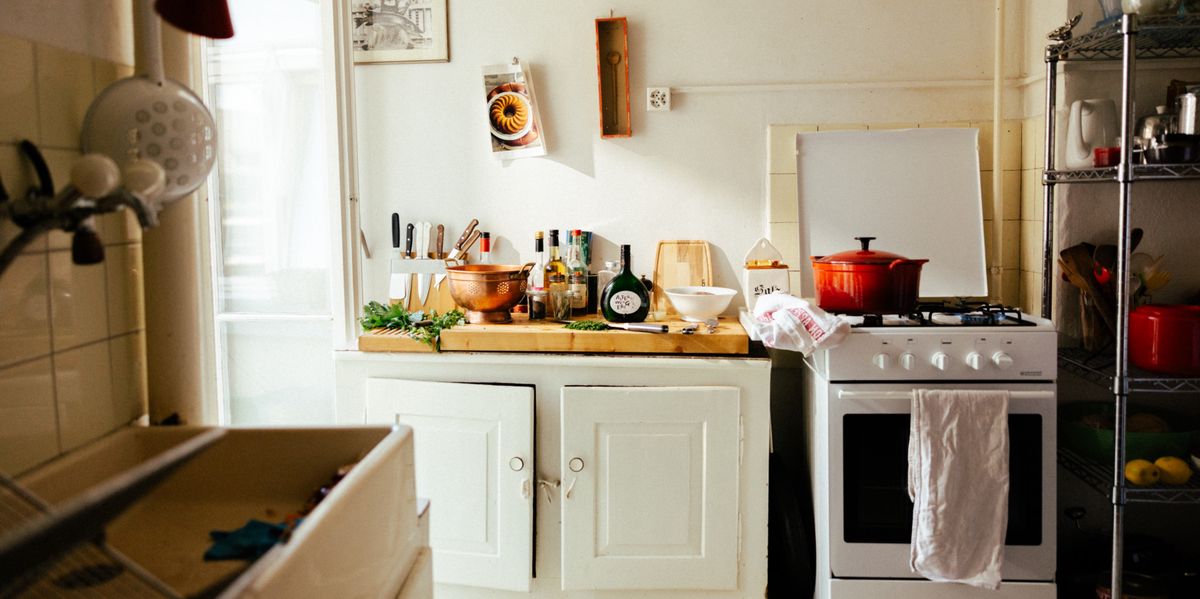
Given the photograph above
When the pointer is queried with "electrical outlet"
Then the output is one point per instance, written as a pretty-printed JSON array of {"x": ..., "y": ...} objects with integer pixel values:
[{"x": 658, "y": 99}]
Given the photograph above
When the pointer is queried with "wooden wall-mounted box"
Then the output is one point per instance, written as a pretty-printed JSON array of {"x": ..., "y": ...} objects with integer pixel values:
[{"x": 612, "y": 70}]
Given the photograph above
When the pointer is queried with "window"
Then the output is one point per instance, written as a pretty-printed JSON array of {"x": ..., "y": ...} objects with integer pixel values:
[{"x": 274, "y": 215}]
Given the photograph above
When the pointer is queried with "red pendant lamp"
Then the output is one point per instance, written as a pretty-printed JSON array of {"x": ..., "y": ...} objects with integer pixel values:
[{"x": 209, "y": 18}]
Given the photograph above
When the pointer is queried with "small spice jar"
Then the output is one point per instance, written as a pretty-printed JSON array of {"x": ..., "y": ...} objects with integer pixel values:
[{"x": 537, "y": 304}]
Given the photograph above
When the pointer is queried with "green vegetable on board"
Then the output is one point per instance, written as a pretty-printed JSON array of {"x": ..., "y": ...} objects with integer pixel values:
[{"x": 419, "y": 325}]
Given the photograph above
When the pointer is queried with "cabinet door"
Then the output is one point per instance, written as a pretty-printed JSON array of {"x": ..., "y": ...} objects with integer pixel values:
[
  {"x": 474, "y": 461},
  {"x": 650, "y": 483}
]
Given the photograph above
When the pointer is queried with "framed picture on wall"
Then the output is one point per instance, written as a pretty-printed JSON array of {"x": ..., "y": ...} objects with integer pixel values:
[{"x": 400, "y": 31}]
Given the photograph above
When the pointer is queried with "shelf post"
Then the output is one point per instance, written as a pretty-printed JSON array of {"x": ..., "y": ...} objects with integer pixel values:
[
  {"x": 1048, "y": 187},
  {"x": 1121, "y": 372}
]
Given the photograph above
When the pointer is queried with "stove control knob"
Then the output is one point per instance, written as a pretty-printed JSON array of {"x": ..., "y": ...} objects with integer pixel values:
[
  {"x": 1002, "y": 360},
  {"x": 974, "y": 360},
  {"x": 939, "y": 361},
  {"x": 907, "y": 361},
  {"x": 882, "y": 361}
]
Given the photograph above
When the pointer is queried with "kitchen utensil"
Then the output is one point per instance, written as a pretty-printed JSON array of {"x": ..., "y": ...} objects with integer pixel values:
[
  {"x": 1173, "y": 148},
  {"x": 456, "y": 250},
  {"x": 441, "y": 242},
  {"x": 699, "y": 303},
  {"x": 396, "y": 287},
  {"x": 475, "y": 235},
  {"x": 680, "y": 263},
  {"x": 1103, "y": 261},
  {"x": 1152, "y": 126},
  {"x": 638, "y": 327},
  {"x": 1077, "y": 263},
  {"x": 614, "y": 58},
  {"x": 150, "y": 116},
  {"x": 488, "y": 291},
  {"x": 866, "y": 281},
  {"x": 1092, "y": 124},
  {"x": 423, "y": 280},
  {"x": 406, "y": 278},
  {"x": 1166, "y": 339},
  {"x": 1185, "y": 107}
]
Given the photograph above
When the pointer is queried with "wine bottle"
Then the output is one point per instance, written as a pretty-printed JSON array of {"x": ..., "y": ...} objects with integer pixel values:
[
  {"x": 556, "y": 276},
  {"x": 577, "y": 274},
  {"x": 537, "y": 277},
  {"x": 624, "y": 299}
]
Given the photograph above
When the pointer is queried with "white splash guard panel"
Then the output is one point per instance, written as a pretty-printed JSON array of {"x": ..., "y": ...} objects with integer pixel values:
[{"x": 915, "y": 190}]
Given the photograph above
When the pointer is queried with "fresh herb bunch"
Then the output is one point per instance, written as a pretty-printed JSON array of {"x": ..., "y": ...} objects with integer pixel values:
[
  {"x": 587, "y": 325},
  {"x": 418, "y": 325}
]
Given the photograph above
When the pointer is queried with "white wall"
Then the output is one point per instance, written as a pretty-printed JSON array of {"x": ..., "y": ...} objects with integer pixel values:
[{"x": 697, "y": 172}]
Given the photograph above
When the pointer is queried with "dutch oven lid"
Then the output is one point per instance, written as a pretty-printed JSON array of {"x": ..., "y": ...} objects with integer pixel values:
[{"x": 865, "y": 255}]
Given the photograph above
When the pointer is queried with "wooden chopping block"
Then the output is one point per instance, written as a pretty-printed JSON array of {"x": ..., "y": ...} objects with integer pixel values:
[{"x": 1076, "y": 261}]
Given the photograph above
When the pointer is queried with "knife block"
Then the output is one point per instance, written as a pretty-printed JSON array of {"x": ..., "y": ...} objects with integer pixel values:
[{"x": 415, "y": 268}]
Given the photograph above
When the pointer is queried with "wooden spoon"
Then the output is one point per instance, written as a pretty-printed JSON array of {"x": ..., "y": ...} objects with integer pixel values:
[{"x": 1077, "y": 262}]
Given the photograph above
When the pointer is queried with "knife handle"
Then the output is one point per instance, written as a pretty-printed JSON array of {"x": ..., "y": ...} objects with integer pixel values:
[
  {"x": 395, "y": 231},
  {"x": 408, "y": 240},
  {"x": 441, "y": 237},
  {"x": 462, "y": 239},
  {"x": 645, "y": 327}
]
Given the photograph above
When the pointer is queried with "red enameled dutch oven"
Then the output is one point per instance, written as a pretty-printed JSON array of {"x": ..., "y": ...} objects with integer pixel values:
[
  {"x": 867, "y": 281},
  {"x": 1165, "y": 339}
]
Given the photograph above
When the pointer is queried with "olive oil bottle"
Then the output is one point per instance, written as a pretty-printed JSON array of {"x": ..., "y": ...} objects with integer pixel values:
[{"x": 625, "y": 299}]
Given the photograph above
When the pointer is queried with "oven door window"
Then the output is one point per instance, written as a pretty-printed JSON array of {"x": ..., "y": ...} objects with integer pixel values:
[{"x": 875, "y": 461}]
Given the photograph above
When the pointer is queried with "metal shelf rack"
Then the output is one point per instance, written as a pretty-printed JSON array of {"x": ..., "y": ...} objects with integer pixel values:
[
  {"x": 1099, "y": 477},
  {"x": 1127, "y": 40},
  {"x": 1099, "y": 367}
]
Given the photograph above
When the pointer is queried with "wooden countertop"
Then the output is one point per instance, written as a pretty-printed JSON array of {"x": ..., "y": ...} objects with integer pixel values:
[{"x": 548, "y": 336}]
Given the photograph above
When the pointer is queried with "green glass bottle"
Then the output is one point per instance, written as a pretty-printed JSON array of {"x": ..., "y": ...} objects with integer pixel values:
[{"x": 625, "y": 299}]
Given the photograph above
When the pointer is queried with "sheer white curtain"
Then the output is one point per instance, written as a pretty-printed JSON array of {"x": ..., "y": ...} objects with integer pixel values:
[{"x": 269, "y": 230}]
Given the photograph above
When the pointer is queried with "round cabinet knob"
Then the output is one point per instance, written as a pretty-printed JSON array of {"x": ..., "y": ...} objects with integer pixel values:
[
  {"x": 576, "y": 464},
  {"x": 907, "y": 361},
  {"x": 974, "y": 360},
  {"x": 1002, "y": 360},
  {"x": 939, "y": 361},
  {"x": 882, "y": 361},
  {"x": 516, "y": 464}
]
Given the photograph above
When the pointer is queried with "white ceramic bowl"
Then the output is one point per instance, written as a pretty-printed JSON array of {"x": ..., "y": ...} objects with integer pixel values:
[{"x": 697, "y": 304}]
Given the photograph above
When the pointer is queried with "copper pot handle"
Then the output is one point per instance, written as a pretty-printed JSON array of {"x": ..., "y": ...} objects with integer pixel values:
[{"x": 524, "y": 272}]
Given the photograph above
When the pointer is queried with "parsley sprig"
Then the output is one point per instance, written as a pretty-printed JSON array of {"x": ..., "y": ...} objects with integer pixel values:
[{"x": 419, "y": 325}]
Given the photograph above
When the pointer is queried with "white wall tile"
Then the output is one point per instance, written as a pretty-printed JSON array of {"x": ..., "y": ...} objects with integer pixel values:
[
  {"x": 985, "y": 143},
  {"x": 78, "y": 302},
  {"x": 60, "y": 162},
  {"x": 18, "y": 94},
  {"x": 1033, "y": 132},
  {"x": 1031, "y": 245},
  {"x": 1010, "y": 160},
  {"x": 24, "y": 310},
  {"x": 783, "y": 206},
  {"x": 786, "y": 238},
  {"x": 65, "y": 89},
  {"x": 985, "y": 188},
  {"x": 123, "y": 265},
  {"x": 86, "y": 409},
  {"x": 782, "y": 146},
  {"x": 1032, "y": 195},
  {"x": 1031, "y": 292},
  {"x": 944, "y": 125},
  {"x": 1012, "y": 195},
  {"x": 27, "y": 420},
  {"x": 128, "y": 354}
]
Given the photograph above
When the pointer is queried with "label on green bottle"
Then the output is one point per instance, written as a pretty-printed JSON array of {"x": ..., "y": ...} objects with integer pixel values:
[{"x": 624, "y": 302}]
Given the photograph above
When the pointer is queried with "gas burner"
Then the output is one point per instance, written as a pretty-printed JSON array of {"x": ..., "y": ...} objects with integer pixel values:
[{"x": 950, "y": 314}]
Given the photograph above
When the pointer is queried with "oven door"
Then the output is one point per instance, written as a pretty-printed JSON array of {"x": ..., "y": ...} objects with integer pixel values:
[{"x": 869, "y": 509}]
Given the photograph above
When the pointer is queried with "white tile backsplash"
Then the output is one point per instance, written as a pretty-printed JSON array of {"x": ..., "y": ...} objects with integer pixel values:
[
  {"x": 86, "y": 406},
  {"x": 24, "y": 305},
  {"x": 28, "y": 424},
  {"x": 76, "y": 379},
  {"x": 78, "y": 302}
]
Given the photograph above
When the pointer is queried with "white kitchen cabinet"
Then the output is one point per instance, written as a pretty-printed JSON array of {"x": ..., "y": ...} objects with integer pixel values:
[
  {"x": 653, "y": 478},
  {"x": 474, "y": 461},
  {"x": 671, "y": 500}
]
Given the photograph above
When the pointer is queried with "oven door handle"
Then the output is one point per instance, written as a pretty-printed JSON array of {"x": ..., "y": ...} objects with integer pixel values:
[{"x": 897, "y": 395}]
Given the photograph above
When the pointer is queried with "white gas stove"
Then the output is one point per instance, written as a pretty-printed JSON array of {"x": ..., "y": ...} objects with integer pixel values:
[{"x": 857, "y": 405}]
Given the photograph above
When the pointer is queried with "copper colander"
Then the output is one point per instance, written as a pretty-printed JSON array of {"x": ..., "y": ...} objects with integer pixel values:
[{"x": 488, "y": 291}]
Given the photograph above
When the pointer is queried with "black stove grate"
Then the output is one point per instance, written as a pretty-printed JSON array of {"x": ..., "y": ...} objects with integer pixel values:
[{"x": 970, "y": 313}]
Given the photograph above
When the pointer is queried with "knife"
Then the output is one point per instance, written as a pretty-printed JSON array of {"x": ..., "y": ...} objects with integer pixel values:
[
  {"x": 441, "y": 238},
  {"x": 395, "y": 291},
  {"x": 423, "y": 280},
  {"x": 456, "y": 251},
  {"x": 406, "y": 281}
]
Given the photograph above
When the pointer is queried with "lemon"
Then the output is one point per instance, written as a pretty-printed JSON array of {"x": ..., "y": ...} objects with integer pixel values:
[
  {"x": 1141, "y": 472},
  {"x": 1174, "y": 470}
]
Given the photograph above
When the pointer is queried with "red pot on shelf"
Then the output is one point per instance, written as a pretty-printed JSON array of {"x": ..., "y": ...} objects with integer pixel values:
[
  {"x": 866, "y": 281},
  {"x": 1165, "y": 339}
]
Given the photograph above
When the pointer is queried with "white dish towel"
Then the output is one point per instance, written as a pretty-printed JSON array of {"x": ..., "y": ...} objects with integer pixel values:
[
  {"x": 783, "y": 321},
  {"x": 958, "y": 482}
]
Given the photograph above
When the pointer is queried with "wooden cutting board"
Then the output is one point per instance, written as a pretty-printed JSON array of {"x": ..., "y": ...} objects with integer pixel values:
[
  {"x": 679, "y": 263},
  {"x": 547, "y": 336}
]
